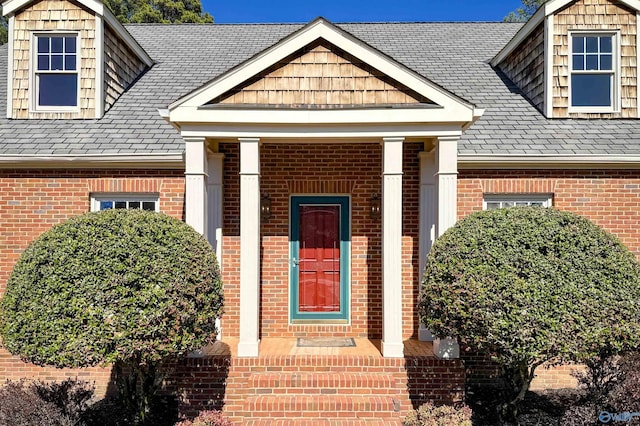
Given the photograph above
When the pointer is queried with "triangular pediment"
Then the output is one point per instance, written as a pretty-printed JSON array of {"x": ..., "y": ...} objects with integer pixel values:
[
  {"x": 320, "y": 66},
  {"x": 321, "y": 75},
  {"x": 326, "y": 81}
]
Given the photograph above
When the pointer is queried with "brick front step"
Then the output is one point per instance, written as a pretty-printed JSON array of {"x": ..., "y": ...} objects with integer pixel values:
[
  {"x": 325, "y": 390},
  {"x": 324, "y": 405},
  {"x": 361, "y": 383},
  {"x": 270, "y": 421}
]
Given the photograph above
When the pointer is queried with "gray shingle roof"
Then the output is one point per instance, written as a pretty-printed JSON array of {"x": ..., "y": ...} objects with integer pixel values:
[{"x": 453, "y": 55}]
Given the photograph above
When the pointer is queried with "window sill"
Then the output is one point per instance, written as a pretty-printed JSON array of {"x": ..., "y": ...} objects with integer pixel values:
[
  {"x": 73, "y": 110},
  {"x": 592, "y": 110}
]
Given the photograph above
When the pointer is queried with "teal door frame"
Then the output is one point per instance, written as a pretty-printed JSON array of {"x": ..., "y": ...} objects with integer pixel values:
[{"x": 345, "y": 256}]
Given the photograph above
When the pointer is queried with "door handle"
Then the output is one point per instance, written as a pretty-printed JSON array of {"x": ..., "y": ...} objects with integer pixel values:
[{"x": 294, "y": 262}]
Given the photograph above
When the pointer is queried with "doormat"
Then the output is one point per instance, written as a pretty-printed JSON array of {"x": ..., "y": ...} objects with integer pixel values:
[{"x": 326, "y": 342}]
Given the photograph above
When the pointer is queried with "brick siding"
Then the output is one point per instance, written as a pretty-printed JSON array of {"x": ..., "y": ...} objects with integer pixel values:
[
  {"x": 31, "y": 201},
  {"x": 346, "y": 169},
  {"x": 609, "y": 198}
]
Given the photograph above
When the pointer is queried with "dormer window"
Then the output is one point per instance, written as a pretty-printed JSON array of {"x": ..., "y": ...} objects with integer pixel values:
[
  {"x": 56, "y": 72},
  {"x": 593, "y": 69}
]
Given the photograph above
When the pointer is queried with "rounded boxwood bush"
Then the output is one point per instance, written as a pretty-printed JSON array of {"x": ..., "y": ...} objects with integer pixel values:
[
  {"x": 531, "y": 285},
  {"x": 112, "y": 286}
]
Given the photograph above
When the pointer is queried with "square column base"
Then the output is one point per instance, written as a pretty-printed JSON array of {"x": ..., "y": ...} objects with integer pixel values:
[
  {"x": 248, "y": 349},
  {"x": 392, "y": 350},
  {"x": 446, "y": 348},
  {"x": 425, "y": 335}
]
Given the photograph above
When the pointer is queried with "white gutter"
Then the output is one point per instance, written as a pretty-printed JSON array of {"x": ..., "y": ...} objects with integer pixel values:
[
  {"x": 94, "y": 160},
  {"x": 501, "y": 161}
]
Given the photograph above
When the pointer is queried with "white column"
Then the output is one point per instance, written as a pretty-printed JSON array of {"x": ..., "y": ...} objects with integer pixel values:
[
  {"x": 215, "y": 166},
  {"x": 214, "y": 196},
  {"x": 392, "y": 345},
  {"x": 447, "y": 194},
  {"x": 249, "y": 246},
  {"x": 427, "y": 221},
  {"x": 195, "y": 183}
]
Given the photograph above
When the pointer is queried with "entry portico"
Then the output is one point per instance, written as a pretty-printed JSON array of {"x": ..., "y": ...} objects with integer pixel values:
[{"x": 323, "y": 87}]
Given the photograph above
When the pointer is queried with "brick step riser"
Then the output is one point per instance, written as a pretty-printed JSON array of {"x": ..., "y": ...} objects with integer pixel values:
[
  {"x": 330, "y": 405},
  {"x": 342, "y": 381},
  {"x": 321, "y": 421}
]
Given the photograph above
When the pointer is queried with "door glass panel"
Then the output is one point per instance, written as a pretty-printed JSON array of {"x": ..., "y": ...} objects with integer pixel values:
[{"x": 319, "y": 264}]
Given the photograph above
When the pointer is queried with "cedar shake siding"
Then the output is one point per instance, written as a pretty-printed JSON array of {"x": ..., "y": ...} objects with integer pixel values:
[
  {"x": 595, "y": 15},
  {"x": 321, "y": 76},
  {"x": 121, "y": 67},
  {"x": 525, "y": 67},
  {"x": 53, "y": 15}
]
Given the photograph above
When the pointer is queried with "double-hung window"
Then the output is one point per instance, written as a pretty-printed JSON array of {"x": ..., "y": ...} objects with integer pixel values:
[
  {"x": 125, "y": 201},
  {"x": 593, "y": 64},
  {"x": 501, "y": 201},
  {"x": 56, "y": 72}
]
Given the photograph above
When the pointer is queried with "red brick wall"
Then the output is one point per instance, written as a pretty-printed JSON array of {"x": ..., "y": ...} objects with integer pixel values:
[
  {"x": 609, "y": 198},
  {"x": 31, "y": 201},
  {"x": 350, "y": 169}
]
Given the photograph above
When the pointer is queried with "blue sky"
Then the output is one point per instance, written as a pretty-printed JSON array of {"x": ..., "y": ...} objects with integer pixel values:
[{"x": 235, "y": 11}]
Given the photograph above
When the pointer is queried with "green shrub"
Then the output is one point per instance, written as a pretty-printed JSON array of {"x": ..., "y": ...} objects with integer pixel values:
[
  {"x": 207, "y": 418},
  {"x": 443, "y": 415},
  {"x": 611, "y": 384},
  {"x": 625, "y": 395},
  {"x": 44, "y": 404},
  {"x": 125, "y": 287},
  {"x": 529, "y": 286}
]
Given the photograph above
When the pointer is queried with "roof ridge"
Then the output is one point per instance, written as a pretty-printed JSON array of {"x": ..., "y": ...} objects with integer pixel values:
[{"x": 142, "y": 24}]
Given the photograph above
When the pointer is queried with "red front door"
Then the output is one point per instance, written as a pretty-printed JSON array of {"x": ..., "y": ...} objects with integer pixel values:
[{"x": 319, "y": 263}]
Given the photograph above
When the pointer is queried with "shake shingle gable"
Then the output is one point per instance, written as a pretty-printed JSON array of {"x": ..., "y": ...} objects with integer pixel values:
[{"x": 453, "y": 55}]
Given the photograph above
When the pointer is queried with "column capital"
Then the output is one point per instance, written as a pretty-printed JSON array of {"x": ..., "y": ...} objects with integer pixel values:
[
  {"x": 447, "y": 156},
  {"x": 195, "y": 156},
  {"x": 391, "y": 139},
  {"x": 249, "y": 156},
  {"x": 392, "y": 156},
  {"x": 449, "y": 138},
  {"x": 249, "y": 140},
  {"x": 194, "y": 139}
]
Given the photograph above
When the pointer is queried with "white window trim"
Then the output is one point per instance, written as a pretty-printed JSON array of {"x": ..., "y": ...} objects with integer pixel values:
[
  {"x": 616, "y": 85},
  {"x": 119, "y": 196},
  {"x": 545, "y": 199},
  {"x": 33, "y": 71}
]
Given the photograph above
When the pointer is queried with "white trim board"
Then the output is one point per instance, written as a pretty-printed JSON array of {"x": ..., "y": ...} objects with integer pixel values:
[
  {"x": 165, "y": 161},
  {"x": 548, "y": 161},
  {"x": 10, "y": 66}
]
